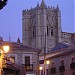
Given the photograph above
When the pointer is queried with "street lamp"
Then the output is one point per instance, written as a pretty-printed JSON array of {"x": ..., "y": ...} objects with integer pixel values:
[
  {"x": 45, "y": 55},
  {"x": 3, "y": 49},
  {"x": 6, "y": 48},
  {"x": 40, "y": 68},
  {"x": 47, "y": 62}
]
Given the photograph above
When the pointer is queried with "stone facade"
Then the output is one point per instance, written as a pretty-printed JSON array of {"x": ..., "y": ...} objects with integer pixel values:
[
  {"x": 24, "y": 56},
  {"x": 62, "y": 61},
  {"x": 40, "y": 20},
  {"x": 68, "y": 37}
]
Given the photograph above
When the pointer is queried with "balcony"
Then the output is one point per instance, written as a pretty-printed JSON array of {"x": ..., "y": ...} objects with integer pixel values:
[
  {"x": 28, "y": 67},
  {"x": 53, "y": 70},
  {"x": 9, "y": 67},
  {"x": 7, "y": 63},
  {"x": 62, "y": 68},
  {"x": 72, "y": 66}
]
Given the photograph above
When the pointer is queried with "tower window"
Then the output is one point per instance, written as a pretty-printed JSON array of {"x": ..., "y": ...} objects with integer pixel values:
[
  {"x": 34, "y": 31},
  {"x": 52, "y": 31},
  {"x": 47, "y": 30}
]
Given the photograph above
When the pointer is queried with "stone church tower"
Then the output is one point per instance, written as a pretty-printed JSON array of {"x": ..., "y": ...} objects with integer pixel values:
[{"x": 39, "y": 21}]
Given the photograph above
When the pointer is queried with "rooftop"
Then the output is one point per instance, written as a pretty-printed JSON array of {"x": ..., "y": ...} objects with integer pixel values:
[{"x": 18, "y": 46}]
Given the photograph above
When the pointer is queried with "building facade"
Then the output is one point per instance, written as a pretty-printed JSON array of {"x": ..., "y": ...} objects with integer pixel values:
[
  {"x": 42, "y": 20},
  {"x": 24, "y": 58},
  {"x": 62, "y": 61}
]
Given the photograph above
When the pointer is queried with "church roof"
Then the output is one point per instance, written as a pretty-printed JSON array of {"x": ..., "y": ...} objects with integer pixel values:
[
  {"x": 62, "y": 52},
  {"x": 59, "y": 46},
  {"x": 19, "y": 46}
]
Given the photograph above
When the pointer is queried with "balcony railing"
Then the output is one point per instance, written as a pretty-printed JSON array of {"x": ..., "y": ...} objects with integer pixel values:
[
  {"x": 72, "y": 66},
  {"x": 28, "y": 67},
  {"x": 7, "y": 63},
  {"x": 53, "y": 70},
  {"x": 62, "y": 68}
]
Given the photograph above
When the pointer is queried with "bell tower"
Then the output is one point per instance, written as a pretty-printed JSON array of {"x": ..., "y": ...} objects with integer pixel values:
[{"x": 39, "y": 21}]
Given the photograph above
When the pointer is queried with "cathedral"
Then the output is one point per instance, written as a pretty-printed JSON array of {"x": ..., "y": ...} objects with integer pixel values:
[{"x": 41, "y": 27}]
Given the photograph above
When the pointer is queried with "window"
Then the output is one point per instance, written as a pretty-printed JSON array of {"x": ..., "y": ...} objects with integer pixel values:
[
  {"x": 62, "y": 74},
  {"x": 41, "y": 72},
  {"x": 73, "y": 60},
  {"x": 52, "y": 31},
  {"x": 62, "y": 67},
  {"x": 34, "y": 31},
  {"x": 62, "y": 62},
  {"x": 47, "y": 30},
  {"x": 27, "y": 63},
  {"x": 47, "y": 71},
  {"x": 53, "y": 65},
  {"x": 73, "y": 73},
  {"x": 27, "y": 60}
]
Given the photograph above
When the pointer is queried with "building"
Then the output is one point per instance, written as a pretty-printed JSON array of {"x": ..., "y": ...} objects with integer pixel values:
[
  {"x": 24, "y": 59},
  {"x": 62, "y": 60},
  {"x": 40, "y": 20}
]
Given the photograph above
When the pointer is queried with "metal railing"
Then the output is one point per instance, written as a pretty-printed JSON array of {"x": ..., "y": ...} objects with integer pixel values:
[{"x": 28, "y": 67}]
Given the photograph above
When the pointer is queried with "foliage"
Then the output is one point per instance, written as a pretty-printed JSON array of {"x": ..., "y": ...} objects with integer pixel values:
[{"x": 2, "y": 3}]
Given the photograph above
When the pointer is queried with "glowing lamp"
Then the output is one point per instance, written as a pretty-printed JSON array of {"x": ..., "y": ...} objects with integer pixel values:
[
  {"x": 6, "y": 49},
  {"x": 40, "y": 68},
  {"x": 47, "y": 62}
]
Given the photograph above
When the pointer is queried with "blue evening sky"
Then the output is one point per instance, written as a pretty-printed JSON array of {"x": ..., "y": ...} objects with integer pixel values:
[{"x": 11, "y": 16}]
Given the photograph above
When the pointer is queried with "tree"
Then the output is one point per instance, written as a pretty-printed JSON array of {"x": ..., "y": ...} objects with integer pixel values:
[{"x": 2, "y": 3}]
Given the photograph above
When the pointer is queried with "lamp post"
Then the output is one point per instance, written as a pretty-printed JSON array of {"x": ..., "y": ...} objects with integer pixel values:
[
  {"x": 37, "y": 62},
  {"x": 3, "y": 49},
  {"x": 45, "y": 55},
  {"x": 47, "y": 62}
]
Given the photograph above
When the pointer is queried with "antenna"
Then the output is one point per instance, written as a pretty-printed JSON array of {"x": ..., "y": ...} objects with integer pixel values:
[{"x": 9, "y": 37}]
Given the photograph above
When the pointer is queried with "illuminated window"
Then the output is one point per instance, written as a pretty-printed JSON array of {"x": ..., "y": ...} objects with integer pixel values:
[{"x": 27, "y": 62}]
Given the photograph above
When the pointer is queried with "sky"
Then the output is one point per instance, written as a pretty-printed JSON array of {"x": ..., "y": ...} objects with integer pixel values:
[{"x": 11, "y": 16}]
